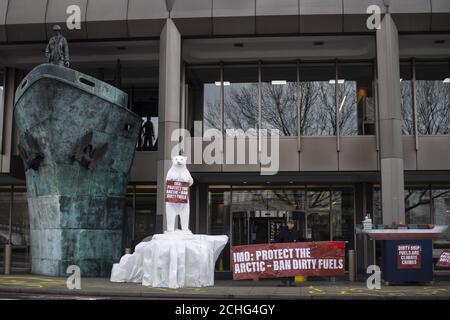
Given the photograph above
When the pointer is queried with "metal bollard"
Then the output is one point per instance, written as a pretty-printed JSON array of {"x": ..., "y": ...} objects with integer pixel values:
[
  {"x": 8, "y": 249},
  {"x": 351, "y": 265}
]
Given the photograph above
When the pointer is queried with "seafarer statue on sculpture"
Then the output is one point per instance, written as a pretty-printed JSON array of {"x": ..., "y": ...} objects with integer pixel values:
[{"x": 57, "y": 51}]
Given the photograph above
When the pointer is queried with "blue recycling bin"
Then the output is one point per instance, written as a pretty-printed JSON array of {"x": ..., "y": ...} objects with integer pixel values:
[{"x": 406, "y": 261}]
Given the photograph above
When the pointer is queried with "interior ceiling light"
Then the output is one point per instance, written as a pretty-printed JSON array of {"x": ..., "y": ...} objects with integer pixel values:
[
  {"x": 225, "y": 83},
  {"x": 446, "y": 80},
  {"x": 340, "y": 81},
  {"x": 342, "y": 103},
  {"x": 278, "y": 82}
]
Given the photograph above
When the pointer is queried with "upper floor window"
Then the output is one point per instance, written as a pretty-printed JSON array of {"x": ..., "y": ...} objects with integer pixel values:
[
  {"x": 241, "y": 104},
  {"x": 142, "y": 85},
  {"x": 317, "y": 99},
  {"x": 433, "y": 98},
  {"x": 204, "y": 96},
  {"x": 425, "y": 97},
  {"x": 306, "y": 98},
  {"x": 406, "y": 86},
  {"x": 279, "y": 98},
  {"x": 144, "y": 102},
  {"x": 356, "y": 102}
]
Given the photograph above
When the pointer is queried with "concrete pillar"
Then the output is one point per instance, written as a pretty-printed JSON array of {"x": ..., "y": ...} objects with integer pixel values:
[
  {"x": 390, "y": 116},
  {"x": 168, "y": 110}
]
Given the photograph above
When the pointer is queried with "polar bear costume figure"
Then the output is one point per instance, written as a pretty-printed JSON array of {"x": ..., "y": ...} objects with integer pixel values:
[
  {"x": 178, "y": 172},
  {"x": 176, "y": 258}
]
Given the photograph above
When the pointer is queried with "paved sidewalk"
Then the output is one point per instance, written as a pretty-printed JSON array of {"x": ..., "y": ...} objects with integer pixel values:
[{"x": 101, "y": 287}]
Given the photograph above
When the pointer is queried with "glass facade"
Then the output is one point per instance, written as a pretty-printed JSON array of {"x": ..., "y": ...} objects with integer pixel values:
[
  {"x": 424, "y": 204},
  {"x": 140, "y": 214},
  {"x": 279, "y": 98},
  {"x": 294, "y": 98},
  {"x": 241, "y": 91},
  {"x": 433, "y": 97},
  {"x": 142, "y": 85},
  {"x": 425, "y": 97},
  {"x": 219, "y": 210},
  {"x": 13, "y": 203},
  {"x": 318, "y": 215},
  {"x": 255, "y": 214},
  {"x": 406, "y": 88},
  {"x": 13, "y": 200},
  {"x": 429, "y": 204},
  {"x": 204, "y": 96},
  {"x": 441, "y": 211},
  {"x": 377, "y": 209},
  {"x": 318, "y": 99},
  {"x": 356, "y": 99},
  {"x": 343, "y": 214},
  {"x": 144, "y": 102},
  {"x": 417, "y": 206}
]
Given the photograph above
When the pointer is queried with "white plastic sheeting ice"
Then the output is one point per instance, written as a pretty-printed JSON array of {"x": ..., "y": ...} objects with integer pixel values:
[{"x": 172, "y": 260}]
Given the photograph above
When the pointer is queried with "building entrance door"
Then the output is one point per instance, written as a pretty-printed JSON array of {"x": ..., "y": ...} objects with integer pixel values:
[
  {"x": 254, "y": 227},
  {"x": 264, "y": 230},
  {"x": 256, "y": 215}
]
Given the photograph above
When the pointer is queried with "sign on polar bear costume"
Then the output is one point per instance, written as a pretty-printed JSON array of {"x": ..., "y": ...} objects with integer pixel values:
[
  {"x": 176, "y": 258},
  {"x": 178, "y": 181}
]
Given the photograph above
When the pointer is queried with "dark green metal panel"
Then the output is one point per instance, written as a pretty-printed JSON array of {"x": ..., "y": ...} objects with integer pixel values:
[{"x": 76, "y": 213}]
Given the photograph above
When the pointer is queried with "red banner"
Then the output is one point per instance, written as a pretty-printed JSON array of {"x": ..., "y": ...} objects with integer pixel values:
[
  {"x": 176, "y": 191},
  {"x": 444, "y": 259},
  {"x": 288, "y": 259},
  {"x": 409, "y": 256}
]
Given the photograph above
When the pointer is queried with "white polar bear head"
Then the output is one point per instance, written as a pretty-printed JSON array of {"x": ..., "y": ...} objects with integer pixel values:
[{"x": 179, "y": 161}]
